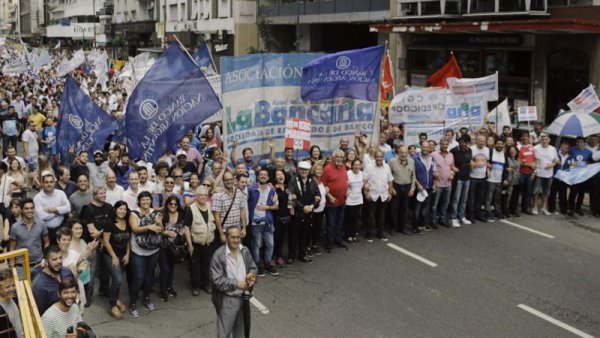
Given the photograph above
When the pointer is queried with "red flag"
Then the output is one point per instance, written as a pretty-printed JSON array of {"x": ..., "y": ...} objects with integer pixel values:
[
  {"x": 386, "y": 86},
  {"x": 450, "y": 69}
]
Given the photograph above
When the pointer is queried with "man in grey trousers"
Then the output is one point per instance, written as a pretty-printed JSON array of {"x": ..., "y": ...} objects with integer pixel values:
[{"x": 232, "y": 272}]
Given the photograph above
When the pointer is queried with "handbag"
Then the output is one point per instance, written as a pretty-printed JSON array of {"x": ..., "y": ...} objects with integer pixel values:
[
  {"x": 148, "y": 240},
  {"x": 178, "y": 249},
  {"x": 230, "y": 206}
]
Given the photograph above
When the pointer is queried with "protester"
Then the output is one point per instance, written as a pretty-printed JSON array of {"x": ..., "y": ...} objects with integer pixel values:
[
  {"x": 29, "y": 233},
  {"x": 403, "y": 172},
  {"x": 497, "y": 179},
  {"x": 425, "y": 174},
  {"x": 335, "y": 179},
  {"x": 306, "y": 196},
  {"x": 511, "y": 198},
  {"x": 64, "y": 182},
  {"x": 463, "y": 157},
  {"x": 63, "y": 316},
  {"x": 228, "y": 207},
  {"x": 479, "y": 166},
  {"x": 444, "y": 161},
  {"x": 546, "y": 159},
  {"x": 10, "y": 317},
  {"x": 283, "y": 217},
  {"x": 82, "y": 196},
  {"x": 527, "y": 161},
  {"x": 45, "y": 285},
  {"x": 314, "y": 234},
  {"x": 579, "y": 157},
  {"x": 200, "y": 228},
  {"x": 51, "y": 205},
  {"x": 233, "y": 273},
  {"x": 173, "y": 237},
  {"x": 378, "y": 191},
  {"x": 146, "y": 226},
  {"x": 117, "y": 250}
]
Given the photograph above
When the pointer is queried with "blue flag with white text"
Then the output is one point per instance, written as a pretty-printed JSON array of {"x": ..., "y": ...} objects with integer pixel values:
[
  {"x": 204, "y": 60},
  {"x": 82, "y": 124},
  {"x": 172, "y": 98},
  {"x": 352, "y": 74}
]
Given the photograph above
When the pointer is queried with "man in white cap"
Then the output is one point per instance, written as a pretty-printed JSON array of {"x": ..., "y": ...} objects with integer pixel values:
[
  {"x": 307, "y": 195},
  {"x": 182, "y": 163}
]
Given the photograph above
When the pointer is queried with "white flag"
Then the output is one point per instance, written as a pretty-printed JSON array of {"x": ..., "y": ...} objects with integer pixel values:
[
  {"x": 587, "y": 101},
  {"x": 500, "y": 115},
  {"x": 57, "y": 45}
]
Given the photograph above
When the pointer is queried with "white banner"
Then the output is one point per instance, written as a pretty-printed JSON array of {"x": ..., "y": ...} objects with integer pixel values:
[
  {"x": 500, "y": 115},
  {"x": 68, "y": 66},
  {"x": 587, "y": 101},
  {"x": 15, "y": 67},
  {"x": 468, "y": 90},
  {"x": 527, "y": 114},
  {"x": 418, "y": 106}
]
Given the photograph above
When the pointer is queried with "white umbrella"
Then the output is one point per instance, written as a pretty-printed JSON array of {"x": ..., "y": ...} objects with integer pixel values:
[{"x": 574, "y": 124}]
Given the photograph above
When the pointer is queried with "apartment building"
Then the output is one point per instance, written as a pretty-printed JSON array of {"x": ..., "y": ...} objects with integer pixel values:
[
  {"x": 75, "y": 21},
  {"x": 9, "y": 14}
]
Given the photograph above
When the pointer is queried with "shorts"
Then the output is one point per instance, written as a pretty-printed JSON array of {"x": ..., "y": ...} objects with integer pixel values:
[{"x": 542, "y": 185}]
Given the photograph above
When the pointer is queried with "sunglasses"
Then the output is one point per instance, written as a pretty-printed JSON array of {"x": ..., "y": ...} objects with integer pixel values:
[
  {"x": 174, "y": 203},
  {"x": 179, "y": 176},
  {"x": 169, "y": 182},
  {"x": 207, "y": 185}
]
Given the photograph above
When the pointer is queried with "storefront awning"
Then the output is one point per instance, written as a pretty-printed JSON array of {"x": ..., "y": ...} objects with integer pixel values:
[{"x": 506, "y": 26}]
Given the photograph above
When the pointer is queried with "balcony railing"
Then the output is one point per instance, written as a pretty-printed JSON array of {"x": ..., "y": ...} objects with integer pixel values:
[
  {"x": 292, "y": 8},
  {"x": 408, "y": 9}
]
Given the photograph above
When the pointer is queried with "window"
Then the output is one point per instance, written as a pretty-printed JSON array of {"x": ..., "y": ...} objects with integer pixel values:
[
  {"x": 509, "y": 63},
  {"x": 172, "y": 13}
]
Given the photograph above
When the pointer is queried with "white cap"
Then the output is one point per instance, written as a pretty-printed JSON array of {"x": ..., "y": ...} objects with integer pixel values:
[
  {"x": 304, "y": 165},
  {"x": 180, "y": 152}
]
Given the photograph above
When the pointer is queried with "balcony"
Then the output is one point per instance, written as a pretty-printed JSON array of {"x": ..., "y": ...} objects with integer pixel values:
[
  {"x": 289, "y": 8},
  {"x": 285, "y": 11},
  {"x": 426, "y": 9}
]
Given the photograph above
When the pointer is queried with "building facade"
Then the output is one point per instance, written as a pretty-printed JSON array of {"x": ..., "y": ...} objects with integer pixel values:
[
  {"x": 324, "y": 25},
  {"x": 545, "y": 51},
  {"x": 76, "y": 21},
  {"x": 10, "y": 17}
]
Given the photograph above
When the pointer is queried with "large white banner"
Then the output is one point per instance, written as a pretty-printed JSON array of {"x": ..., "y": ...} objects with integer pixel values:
[
  {"x": 418, "y": 106},
  {"x": 587, "y": 101},
  {"x": 260, "y": 91},
  {"x": 474, "y": 90}
]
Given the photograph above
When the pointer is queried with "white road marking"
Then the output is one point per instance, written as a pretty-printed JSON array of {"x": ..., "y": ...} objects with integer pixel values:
[
  {"x": 527, "y": 229},
  {"x": 554, "y": 321},
  {"x": 259, "y": 306},
  {"x": 413, "y": 255}
]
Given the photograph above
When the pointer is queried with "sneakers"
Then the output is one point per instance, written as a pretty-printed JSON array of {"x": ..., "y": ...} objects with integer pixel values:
[
  {"x": 455, "y": 223},
  {"x": 272, "y": 270},
  {"x": 535, "y": 211},
  {"x": 309, "y": 253},
  {"x": 546, "y": 212},
  {"x": 261, "y": 272},
  {"x": 172, "y": 292},
  {"x": 133, "y": 311},
  {"x": 164, "y": 297},
  {"x": 316, "y": 251},
  {"x": 427, "y": 228},
  {"x": 148, "y": 304},
  {"x": 417, "y": 231},
  {"x": 465, "y": 221},
  {"x": 195, "y": 292},
  {"x": 369, "y": 239},
  {"x": 305, "y": 259},
  {"x": 383, "y": 238}
]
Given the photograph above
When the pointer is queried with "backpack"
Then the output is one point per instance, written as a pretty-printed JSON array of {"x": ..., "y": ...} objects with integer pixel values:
[{"x": 148, "y": 240}]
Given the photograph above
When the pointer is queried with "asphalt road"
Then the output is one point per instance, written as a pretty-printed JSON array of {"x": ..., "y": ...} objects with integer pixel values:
[{"x": 477, "y": 277}]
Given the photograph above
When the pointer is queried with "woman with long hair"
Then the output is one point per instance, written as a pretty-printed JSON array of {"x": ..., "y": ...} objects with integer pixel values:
[
  {"x": 85, "y": 250},
  {"x": 173, "y": 235},
  {"x": 315, "y": 154},
  {"x": 350, "y": 157},
  {"x": 283, "y": 218},
  {"x": 44, "y": 164},
  {"x": 12, "y": 217},
  {"x": 317, "y": 218},
  {"x": 146, "y": 227},
  {"x": 117, "y": 248},
  {"x": 16, "y": 172}
]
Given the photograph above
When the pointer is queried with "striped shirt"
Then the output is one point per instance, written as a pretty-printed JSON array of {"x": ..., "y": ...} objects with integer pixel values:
[{"x": 57, "y": 322}]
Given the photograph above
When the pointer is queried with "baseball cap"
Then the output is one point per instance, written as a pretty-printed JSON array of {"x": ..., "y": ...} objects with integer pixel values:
[
  {"x": 304, "y": 165},
  {"x": 180, "y": 152}
]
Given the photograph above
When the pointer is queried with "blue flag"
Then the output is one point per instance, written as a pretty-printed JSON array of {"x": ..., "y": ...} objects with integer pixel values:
[
  {"x": 82, "y": 125},
  {"x": 87, "y": 69},
  {"x": 204, "y": 60},
  {"x": 352, "y": 74},
  {"x": 172, "y": 98}
]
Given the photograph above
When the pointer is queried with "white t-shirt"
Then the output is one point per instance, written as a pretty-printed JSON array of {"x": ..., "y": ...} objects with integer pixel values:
[
  {"x": 497, "y": 166},
  {"x": 544, "y": 157},
  {"x": 72, "y": 258},
  {"x": 355, "y": 184},
  {"x": 481, "y": 158},
  {"x": 323, "y": 201},
  {"x": 32, "y": 144}
]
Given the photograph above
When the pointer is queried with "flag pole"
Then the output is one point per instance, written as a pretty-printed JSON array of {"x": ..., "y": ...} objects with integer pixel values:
[
  {"x": 185, "y": 50},
  {"x": 376, "y": 115}
]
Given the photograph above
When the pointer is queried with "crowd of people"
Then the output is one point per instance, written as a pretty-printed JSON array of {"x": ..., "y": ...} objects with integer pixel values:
[{"x": 106, "y": 218}]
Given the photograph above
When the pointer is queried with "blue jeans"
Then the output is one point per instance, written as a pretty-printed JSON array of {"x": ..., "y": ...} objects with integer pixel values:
[
  {"x": 335, "y": 221},
  {"x": 142, "y": 275},
  {"x": 444, "y": 195},
  {"x": 116, "y": 276},
  {"x": 263, "y": 233},
  {"x": 166, "y": 265},
  {"x": 421, "y": 211},
  {"x": 459, "y": 200},
  {"x": 525, "y": 183}
]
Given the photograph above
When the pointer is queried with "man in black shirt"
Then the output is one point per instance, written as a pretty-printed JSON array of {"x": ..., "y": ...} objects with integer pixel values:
[
  {"x": 79, "y": 166},
  {"x": 186, "y": 166},
  {"x": 462, "y": 160},
  {"x": 95, "y": 217}
]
